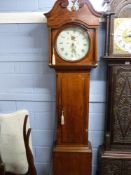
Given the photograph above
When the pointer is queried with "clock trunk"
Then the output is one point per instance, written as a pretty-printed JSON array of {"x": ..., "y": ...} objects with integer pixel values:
[
  {"x": 73, "y": 102},
  {"x": 72, "y": 154}
]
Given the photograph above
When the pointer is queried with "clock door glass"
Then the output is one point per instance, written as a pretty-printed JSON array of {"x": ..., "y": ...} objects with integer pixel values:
[
  {"x": 122, "y": 36},
  {"x": 72, "y": 43}
]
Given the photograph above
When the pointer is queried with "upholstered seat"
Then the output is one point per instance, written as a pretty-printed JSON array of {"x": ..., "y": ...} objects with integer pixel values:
[{"x": 15, "y": 144}]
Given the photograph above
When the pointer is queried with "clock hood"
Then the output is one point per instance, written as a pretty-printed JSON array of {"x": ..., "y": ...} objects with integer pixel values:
[{"x": 60, "y": 15}]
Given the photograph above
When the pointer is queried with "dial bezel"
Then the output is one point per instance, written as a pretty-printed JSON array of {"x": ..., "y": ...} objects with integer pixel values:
[{"x": 72, "y": 26}]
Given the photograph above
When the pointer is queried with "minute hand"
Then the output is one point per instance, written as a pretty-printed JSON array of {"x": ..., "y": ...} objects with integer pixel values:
[{"x": 127, "y": 36}]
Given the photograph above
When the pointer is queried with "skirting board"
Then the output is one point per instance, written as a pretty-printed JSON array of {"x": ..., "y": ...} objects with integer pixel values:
[{"x": 24, "y": 17}]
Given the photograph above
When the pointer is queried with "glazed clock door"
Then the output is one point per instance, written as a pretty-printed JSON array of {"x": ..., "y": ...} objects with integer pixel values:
[
  {"x": 72, "y": 43},
  {"x": 73, "y": 102}
]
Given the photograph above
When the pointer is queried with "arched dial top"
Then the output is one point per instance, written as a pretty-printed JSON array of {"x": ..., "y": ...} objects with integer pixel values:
[{"x": 72, "y": 43}]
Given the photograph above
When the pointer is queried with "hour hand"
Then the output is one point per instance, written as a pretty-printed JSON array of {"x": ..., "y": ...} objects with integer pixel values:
[
  {"x": 73, "y": 51},
  {"x": 73, "y": 45},
  {"x": 127, "y": 36}
]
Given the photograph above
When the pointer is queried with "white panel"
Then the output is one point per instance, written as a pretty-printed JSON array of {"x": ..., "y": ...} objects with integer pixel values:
[{"x": 22, "y": 17}]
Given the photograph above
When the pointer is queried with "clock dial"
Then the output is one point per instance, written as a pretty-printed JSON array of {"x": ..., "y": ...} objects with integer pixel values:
[
  {"x": 72, "y": 43},
  {"x": 122, "y": 36}
]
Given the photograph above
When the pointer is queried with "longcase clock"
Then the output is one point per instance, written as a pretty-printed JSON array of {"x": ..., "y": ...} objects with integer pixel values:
[
  {"x": 73, "y": 33},
  {"x": 115, "y": 154}
]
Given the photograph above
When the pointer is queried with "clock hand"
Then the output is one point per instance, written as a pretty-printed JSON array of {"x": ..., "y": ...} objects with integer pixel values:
[
  {"x": 73, "y": 45},
  {"x": 73, "y": 51},
  {"x": 73, "y": 38},
  {"x": 73, "y": 48},
  {"x": 127, "y": 36}
]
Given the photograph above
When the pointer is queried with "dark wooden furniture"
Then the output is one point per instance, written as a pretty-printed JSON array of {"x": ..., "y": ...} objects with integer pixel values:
[
  {"x": 115, "y": 154},
  {"x": 30, "y": 159},
  {"x": 72, "y": 154}
]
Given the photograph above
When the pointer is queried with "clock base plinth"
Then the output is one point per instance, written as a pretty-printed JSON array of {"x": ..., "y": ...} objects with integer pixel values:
[
  {"x": 114, "y": 162},
  {"x": 72, "y": 160}
]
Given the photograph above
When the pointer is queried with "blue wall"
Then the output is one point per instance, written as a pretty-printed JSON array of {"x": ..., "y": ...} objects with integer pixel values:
[{"x": 27, "y": 82}]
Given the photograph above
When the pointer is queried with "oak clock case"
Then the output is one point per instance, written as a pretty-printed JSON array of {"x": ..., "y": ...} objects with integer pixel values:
[
  {"x": 115, "y": 154},
  {"x": 73, "y": 34}
]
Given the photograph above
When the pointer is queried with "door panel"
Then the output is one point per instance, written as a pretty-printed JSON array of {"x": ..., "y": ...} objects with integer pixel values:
[{"x": 74, "y": 103}]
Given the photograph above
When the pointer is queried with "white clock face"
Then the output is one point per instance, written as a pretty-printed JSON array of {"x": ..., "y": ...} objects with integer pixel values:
[
  {"x": 122, "y": 35},
  {"x": 72, "y": 43}
]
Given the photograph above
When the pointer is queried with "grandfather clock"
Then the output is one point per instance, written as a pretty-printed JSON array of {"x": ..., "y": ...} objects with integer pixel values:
[
  {"x": 115, "y": 155},
  {"x": 73, "y": 33}
]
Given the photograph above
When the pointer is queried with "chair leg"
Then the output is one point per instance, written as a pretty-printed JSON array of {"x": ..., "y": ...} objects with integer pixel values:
[
  {"x": 30, "y": 159},
  {"x": 2, "y": 169}
]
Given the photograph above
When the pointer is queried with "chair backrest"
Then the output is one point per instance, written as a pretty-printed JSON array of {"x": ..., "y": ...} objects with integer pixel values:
[{"x": 15, "y": 145}]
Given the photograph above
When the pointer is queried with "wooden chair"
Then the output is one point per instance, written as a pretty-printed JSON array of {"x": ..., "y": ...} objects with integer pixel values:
[{"x": 29, "y": 155}]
